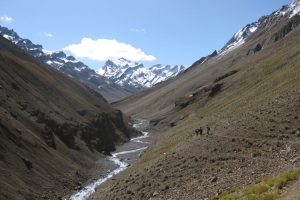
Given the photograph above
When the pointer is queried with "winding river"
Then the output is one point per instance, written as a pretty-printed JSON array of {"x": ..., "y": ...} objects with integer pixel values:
[{"x": 121, "y": 159}]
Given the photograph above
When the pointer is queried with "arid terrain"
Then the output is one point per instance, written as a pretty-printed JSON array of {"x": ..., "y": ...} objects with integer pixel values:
[{"x": 250, "y": 101}]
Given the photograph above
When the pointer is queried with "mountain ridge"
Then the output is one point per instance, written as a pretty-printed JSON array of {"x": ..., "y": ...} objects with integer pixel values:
[
  {"x": 68, "y": 65},
  {"x": 119, "y": 78},
  {"x": 135, "y": 75}
]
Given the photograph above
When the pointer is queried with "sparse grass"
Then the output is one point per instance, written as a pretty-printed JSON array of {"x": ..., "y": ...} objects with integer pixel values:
[
  {"x": 257, "y": 189},
  {"x": 266, "y": 189}
]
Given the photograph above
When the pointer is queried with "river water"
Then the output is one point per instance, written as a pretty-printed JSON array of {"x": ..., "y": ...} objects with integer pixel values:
[{"x": 118, "y": 162}]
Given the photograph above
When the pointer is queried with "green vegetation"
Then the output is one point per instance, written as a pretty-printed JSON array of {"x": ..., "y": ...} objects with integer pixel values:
[{"x": 266, "y": 189}]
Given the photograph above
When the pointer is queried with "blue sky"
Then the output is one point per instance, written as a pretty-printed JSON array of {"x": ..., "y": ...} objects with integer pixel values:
[{"x": 149, "y": 31}]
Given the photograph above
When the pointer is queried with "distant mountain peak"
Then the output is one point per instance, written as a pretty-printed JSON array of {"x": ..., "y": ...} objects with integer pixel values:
[
  {"x": 122, "y": 62},
  {"x": 134, "y": 76}
]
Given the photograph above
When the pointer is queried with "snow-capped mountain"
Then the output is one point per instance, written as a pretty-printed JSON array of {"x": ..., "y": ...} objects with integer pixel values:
[
  {"x": 241, "y": 36},
  {"x": 136, "y": 76},
  {"x": 68, "y": 65},
  {"x": 55, "y": 59}
]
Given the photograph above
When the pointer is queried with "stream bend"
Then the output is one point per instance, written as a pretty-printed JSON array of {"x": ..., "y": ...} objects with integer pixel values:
[{"x": 125, "y": 155}]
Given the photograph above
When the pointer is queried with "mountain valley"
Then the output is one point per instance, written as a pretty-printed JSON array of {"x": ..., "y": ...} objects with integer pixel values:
[{"x": 226, "y": 127}]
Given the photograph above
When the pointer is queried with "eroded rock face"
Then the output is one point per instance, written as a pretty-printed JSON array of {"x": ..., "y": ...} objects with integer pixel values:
[
  {"x": 292, "y": 24},
  {"x": 100, "y": 134}
]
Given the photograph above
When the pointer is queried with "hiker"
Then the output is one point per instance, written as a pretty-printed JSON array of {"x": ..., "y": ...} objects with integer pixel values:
[
  {"x": 199, "y": 131},
  {"x": 208, "y": 130}
]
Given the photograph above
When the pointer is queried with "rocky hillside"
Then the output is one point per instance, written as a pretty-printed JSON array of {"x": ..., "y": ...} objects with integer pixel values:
[
  {"x": 248, "y": 94},
  {"x": 135, "y": 76},
  {"x": 52, "y": 128},
  {"x": 68, "y": 65}
]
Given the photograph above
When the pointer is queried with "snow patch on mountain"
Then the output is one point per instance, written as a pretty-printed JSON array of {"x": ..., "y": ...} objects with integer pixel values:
[
  {"x": 239, "y": 38},
  {"x": 295, "y": 8},
  {"x": 8, "y": 37}
]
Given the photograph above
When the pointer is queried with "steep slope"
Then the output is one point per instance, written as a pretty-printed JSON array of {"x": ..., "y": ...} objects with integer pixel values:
[
  {"x": 68, "y": 65},
  {"x": 134, "y": 76},
  {"x": 248, "y": 96},
  {"x": 52, "y": 129},
  {"x": 268, "y": 30}
]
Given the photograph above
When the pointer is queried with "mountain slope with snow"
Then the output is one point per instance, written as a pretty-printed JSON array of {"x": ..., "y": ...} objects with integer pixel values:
[
  {"x": 244, "y": 33},
  {"x": 135, "y": 76},
  {"x": 68, "y": 65}
]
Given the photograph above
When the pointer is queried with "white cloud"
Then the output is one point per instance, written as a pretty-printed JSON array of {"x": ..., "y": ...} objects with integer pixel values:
[
  {"x": 104, "y": 49},
  {"x": 48, "y": 34},
  {"x": 6, "y": 19},
  {"x": 138, "y": 30}
]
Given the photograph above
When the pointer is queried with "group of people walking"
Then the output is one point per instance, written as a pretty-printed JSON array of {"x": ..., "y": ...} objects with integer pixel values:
[{"x": 200, "y": 131}]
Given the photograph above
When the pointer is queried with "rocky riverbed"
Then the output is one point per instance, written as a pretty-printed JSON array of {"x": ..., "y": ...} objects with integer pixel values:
[{"x": 116, "y": 163}]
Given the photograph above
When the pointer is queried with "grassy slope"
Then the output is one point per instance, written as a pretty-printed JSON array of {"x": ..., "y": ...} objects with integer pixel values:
[{"x": 266, "y": 189}]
